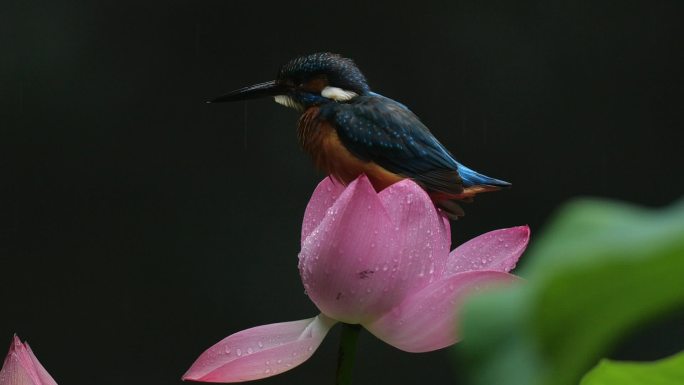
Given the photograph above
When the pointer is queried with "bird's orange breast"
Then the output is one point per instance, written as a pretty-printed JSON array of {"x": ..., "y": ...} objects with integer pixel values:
[{"x": 319, "y": 138}]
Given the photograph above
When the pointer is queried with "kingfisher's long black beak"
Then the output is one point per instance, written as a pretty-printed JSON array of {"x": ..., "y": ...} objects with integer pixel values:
[{"x": 252, "y": 92}]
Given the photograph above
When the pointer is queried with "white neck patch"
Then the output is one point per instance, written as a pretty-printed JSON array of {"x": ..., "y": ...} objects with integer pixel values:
[
  {"x": 287, "y": 101},
  {"x": 338, "y": 94}
]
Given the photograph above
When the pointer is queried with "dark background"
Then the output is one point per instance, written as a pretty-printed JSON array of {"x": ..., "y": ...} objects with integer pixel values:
[{"x": 138, "y": 225}]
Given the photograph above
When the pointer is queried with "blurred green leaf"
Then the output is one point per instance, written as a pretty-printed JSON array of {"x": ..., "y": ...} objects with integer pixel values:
[
  {"x": 600, "y": 270},
  {"x": 668, "y": 371}
]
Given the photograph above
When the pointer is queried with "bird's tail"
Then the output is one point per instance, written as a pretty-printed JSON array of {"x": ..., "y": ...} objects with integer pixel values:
[
  {"x": 473, "y": 184},
  {"x": 472, "y": 178}
]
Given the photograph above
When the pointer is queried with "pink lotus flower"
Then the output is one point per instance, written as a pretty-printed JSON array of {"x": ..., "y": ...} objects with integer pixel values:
[
  {"x": 377, "y": 259},
  {"x": 21, "y": 367}
]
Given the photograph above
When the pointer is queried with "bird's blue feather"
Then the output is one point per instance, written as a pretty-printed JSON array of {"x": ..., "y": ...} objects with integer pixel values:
[{"x": 379, "y": 129}]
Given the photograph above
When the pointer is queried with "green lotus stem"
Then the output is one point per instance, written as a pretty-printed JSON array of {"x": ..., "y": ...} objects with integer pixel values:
[{"x": 347, "y": 353}]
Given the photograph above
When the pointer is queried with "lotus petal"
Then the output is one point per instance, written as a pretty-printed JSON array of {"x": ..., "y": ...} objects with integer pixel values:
[
  {"x": 371, "y": 250},
  {"x": 497, "y": 250},
  {"x": 426, "y": 320},
  {"x": 325, "y": 194},
  {"x": 260, "y": 352},
  {"x": 21, "y": 367}
]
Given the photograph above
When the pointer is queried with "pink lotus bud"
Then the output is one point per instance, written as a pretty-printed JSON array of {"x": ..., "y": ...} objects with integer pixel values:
[
  {"x": 21, "y": 367},
  {"x": 381, "y": 260}
]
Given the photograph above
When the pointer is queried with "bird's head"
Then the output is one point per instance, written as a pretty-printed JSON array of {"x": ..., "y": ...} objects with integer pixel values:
[{"x": 308, "y": 80}]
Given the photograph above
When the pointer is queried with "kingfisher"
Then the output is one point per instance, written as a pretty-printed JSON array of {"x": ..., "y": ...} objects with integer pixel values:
[{"x": 350, "y": 130}]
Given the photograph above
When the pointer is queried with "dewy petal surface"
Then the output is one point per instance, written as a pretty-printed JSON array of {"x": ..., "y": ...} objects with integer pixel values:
[
  {"x": 339, "y": 255},
  {"x": 13, "y": 373},
  {"x": 371, "y": 250},
  {"x": 21, "y": 367},
  {"x": 260, "y": 352},
  {"x": 423, "y": 233},
  {"x": 427, "y": 320},
  {"x": 497, "y": 250},
  {"x": 43, "y": 375},
  {"x": 324, "y": 196}
]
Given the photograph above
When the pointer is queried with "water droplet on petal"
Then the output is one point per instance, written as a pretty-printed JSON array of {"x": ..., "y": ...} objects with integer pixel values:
[
  {"x": 250, "y": 351},
  {"x": 238, "y": 352}
]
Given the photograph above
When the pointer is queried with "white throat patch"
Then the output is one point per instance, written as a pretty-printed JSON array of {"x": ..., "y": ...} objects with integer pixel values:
[
  {"x": 287, "y": 101},
  {"x": 338, "y": 94}
]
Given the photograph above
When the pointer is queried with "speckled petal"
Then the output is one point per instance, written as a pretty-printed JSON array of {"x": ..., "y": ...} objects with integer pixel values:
[
  {"x": 422, "y": 232},
  {"x": 260, "y": 352},
  {"x": 427, "y": 320},
  {"x": 339, "y": 257},
  {"x": 496, "y": 250},
  {"x": 372, "y": 250},
  {"x": 13, "y": 373},
  {"x": 21, "y": 367},
  {"x": 43, "y": 375},
  {"x": 324, "y": 196}
]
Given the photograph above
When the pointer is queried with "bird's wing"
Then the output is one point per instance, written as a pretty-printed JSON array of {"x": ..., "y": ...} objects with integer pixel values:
[{"x": 378, "y": 129}]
